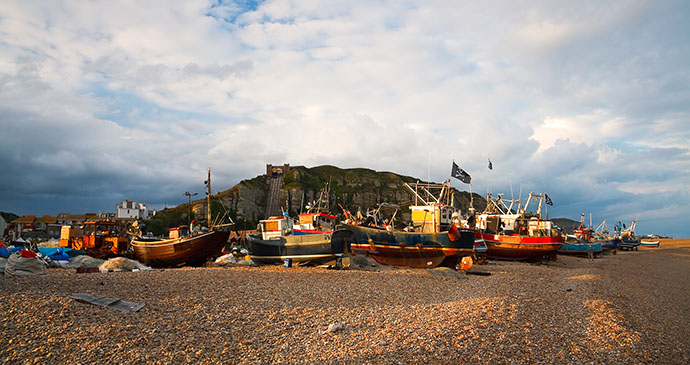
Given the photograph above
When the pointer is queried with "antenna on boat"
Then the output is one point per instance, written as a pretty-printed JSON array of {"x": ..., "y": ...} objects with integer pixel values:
[
  {"x": 208, "y": 200},
  {"x": 189, "y": 206}
]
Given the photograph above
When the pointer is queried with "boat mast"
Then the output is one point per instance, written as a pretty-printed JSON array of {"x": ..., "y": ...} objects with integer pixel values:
[{"x": 208, "y": 200}]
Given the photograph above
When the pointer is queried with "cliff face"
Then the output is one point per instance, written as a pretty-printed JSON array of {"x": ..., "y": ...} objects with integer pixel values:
[{"x": 352, "y": 188}]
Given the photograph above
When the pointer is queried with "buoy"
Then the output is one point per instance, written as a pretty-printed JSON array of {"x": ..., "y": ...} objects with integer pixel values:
[{"x": 466, "y": 263}]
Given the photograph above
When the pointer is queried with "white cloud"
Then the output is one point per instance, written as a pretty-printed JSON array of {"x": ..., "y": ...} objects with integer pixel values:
[{"x": 586, "y": 100}]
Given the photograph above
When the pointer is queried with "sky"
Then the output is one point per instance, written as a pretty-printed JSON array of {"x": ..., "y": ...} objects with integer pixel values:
[{"x": 588, "y": 101}]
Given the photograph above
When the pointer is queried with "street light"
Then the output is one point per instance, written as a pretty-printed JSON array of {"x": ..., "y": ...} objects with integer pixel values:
[{"x": 189, "y": 206}]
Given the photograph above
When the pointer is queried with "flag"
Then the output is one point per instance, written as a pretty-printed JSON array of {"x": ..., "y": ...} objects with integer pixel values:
[
  {"x": 460, "y": 174},
  {"x": 491, "y": 166},
  {"x": 548, "y": 200}
]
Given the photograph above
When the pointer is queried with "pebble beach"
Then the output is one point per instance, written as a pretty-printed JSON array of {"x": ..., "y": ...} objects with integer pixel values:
[{"x": 631, "y": 307}]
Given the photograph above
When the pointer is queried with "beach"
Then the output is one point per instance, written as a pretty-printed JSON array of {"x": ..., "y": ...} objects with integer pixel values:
[{"x": 631, "y": 307}]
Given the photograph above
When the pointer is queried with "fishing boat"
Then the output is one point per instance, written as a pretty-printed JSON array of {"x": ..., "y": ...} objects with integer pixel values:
[
  {"x": 514, "y": 234},
  {"x": 275, "y": 242},
  {"x": 185, "y": 245},
  {"x": 317, "y": 219},
  {"x": 625, "y": 236},
  {"x": 577, "y": 245},
  {"x": 600, "y": 235},
  {"x": 431, "y": 239}
]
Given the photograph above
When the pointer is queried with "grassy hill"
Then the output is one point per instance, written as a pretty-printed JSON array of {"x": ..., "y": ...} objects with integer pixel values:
[{"x": 354, "y": 189}]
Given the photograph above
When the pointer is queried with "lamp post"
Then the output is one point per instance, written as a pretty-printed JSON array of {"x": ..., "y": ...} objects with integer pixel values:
[{"x": 189, "y": 206}]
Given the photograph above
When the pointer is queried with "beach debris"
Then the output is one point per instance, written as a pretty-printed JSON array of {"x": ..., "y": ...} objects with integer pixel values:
[
  {"x": 479, "y": 273},
  {"x": 113, "y": 303},
  {"x": 445, "y": 271},
  {"x": 19, "y": 264},
  {"x": 225, "y": 260},
  {"x": 4, "y": 252},
  {"x": 361, "y": 262},
  {"x": 84, "y": 261},
  {"x": 122, "y": 264},
  {"x": 333, "y": 327}
]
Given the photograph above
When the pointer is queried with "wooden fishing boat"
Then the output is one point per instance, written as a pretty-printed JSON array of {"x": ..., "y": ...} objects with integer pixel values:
[
  {"x": 180, "y": 248},
  {"x": 184, "y": 245},
  {"x": 511, "y": 233},
  {"x": 413, "y": 249},
  {"x": 432, "y": 238},
  {"x": 275, "y": 242}
]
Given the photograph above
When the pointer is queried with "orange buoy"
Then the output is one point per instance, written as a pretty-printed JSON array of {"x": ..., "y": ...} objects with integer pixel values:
[{"x": 466, "y": 263}]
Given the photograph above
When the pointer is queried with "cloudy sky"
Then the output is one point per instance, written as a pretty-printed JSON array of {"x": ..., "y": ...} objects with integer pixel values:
[{"x": 102, "y": 101}]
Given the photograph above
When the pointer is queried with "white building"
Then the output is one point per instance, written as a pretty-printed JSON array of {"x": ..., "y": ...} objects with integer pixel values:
[
  {"x": 3, "y": 225},
  {"x": 131, "y": 209}
]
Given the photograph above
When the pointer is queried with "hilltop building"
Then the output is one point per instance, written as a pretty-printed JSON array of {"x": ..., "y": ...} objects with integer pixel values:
[{"x": 132, "y": 209}]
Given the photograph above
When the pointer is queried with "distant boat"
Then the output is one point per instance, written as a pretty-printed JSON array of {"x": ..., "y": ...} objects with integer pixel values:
[
  {"x": 432, "y": 238},
  {"x": 626, "y": 236},
  {"x": 184, "y": 246},
  {"x": 511, "y": 233},
  {"x": 648, "y": 244}
]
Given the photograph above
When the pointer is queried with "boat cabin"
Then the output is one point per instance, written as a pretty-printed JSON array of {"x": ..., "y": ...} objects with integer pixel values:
[
  {"x": 178, "y": 232},
  {"x": 274, "y": 227},
  {"x": 514, "y": 224},
  {"x": 431, "y": 218},
  {"x": 316, "y": 222}
]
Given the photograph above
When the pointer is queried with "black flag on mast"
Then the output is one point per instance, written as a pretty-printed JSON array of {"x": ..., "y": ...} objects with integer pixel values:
[
  {"x": 460, "y": 174},
  {"x": 548, "y": 200},
  {"x": 491, "y": 166}
]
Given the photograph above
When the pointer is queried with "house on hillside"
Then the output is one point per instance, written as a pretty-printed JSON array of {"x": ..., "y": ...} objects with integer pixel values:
[
  {"x": 41, "y": 224},
  {"x": 75, "y": 220},
  {"x": 25, "y": 224},
  {"x": 3, "y": 226},
  {"x": 132, "y": 209}
]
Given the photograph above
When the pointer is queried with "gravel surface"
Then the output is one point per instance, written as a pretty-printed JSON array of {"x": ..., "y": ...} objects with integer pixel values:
[{"x": 633, "y": 307}]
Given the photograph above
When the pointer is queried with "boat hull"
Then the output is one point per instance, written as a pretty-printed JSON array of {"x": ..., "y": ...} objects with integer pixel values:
[
  {"x": 313, "y": 247},
  {"x": 580, "y": 248},
  {"x": 519, "y": 247},
  {"x": 412, "y": 249},
  {"x": 193, "y": 250},
  {"x": 611, "y": 244},
  {"x": 628, "y": 245}
]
